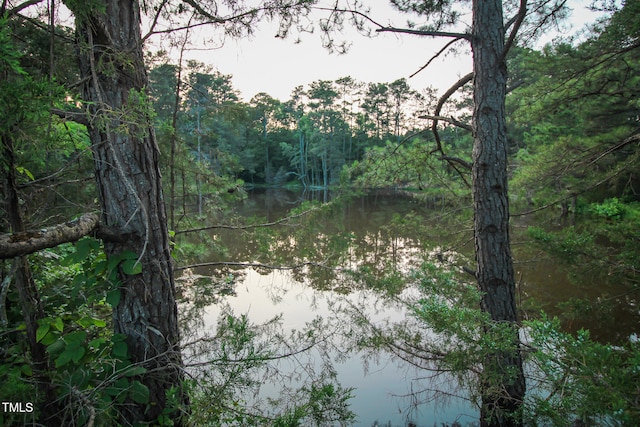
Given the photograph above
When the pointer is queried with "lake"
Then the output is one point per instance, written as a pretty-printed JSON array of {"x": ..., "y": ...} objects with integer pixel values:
[{"x": 380, "y": 231}]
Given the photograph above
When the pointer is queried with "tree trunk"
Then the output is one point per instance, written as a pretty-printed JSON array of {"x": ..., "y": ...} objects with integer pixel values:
[
  {"x": 28, "y": 295},
  {"x": 128, "y": 177},
  {"x": 503, "y": 385}
]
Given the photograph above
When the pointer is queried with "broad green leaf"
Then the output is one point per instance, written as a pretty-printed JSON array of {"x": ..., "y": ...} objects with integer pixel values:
[
  {"x": 96, "y": 343},
  {"x": 128, "y": 255},
  {"x": 135, "y": 370},
  {"x": 56, "y": 348},
  {"x": 26, "y": 370},
  {"x": 58, "y": 324},
  {"x": 120, "y": 349},
  {"x": 100, "y": 267},
  {"x": 131, "y": 267},
  {"x": 113, "y": 297},
  {"x": 42, "y": 331},
  {"x": 118, "y": 337},
  {"x": 49, "y": 338},
  {"x": 139, "y": 392},
  {"x": 24, "y": 171},
  {"x": 64, "y": 358},
  {"x": 77, "y": 354},
  {"x": 85, "y": 322},
  {"x": 76, "y": 338}
]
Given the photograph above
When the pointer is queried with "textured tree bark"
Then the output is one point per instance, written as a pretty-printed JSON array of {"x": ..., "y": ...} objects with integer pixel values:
[
  {"x": 128, "y": 178},
  {"x": 503, "y": 388}
]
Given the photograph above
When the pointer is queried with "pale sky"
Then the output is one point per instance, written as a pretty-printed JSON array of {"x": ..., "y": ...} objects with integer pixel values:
[
  {"x": 276, "y": 66},
  {"x": 268, "y": 64}
]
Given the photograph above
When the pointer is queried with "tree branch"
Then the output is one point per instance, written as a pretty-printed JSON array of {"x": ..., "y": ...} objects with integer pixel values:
[
  {"x": 444, "y": 98},
  {"x": 255, "y": 265},
  {"x": 424, "y": 33},
  {"x": 246, "y": 227},
  {"x": 457, "y": 160},
  {"x": 22, "y": 6},
  {"x": 28, "y": 242},
  {"x": 517, "y": 22},
  {"x": 451, "y": 120},
  {"x": 434, "y": 126},
  {"x": 154, "y": 21},
  {"x": 440, "y": 52},
  {"x": 74, "y": 116}
]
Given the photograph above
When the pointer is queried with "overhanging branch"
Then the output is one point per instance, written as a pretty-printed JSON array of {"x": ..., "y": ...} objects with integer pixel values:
[
  {"x": 451, "y": 120},
  {"x": 246, "y": 227},
  {"x": 517, "y": 21},
  {"x": 424, "y": 33},
  {"x": 256, "y": 265},
  {"x": 17, "y": 9},
  {"x": 74, "y": 116},
  {"x": 440, "y": 52},
  {"x": 28, "y": 242}
]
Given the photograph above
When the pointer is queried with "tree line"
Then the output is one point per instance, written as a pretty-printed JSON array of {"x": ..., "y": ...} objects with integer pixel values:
[{"x": 307, "y": 139}]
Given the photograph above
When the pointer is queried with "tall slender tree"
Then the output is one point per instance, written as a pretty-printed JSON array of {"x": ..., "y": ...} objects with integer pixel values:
[
  {"x": 264, "y": 108},
  {"x": 501, "y": 404},
  {"x": 490, "y": 36}
]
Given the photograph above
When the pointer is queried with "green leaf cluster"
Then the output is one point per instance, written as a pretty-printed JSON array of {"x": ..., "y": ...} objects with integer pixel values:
[
  {"x": 575, "y": 380},
  {"x": 90, "y": 369}
]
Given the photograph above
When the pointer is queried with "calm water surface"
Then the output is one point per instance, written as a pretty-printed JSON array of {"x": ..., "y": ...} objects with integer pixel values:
[{"x": 366, "y": 231}]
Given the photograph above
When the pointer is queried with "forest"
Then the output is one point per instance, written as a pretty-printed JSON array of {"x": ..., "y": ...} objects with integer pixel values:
[{"x": 122, "y": 163}]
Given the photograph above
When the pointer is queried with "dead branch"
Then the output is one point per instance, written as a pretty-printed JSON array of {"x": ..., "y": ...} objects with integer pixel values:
[
  {"x": 436, "y": 55},
  {"x": 451, "y": 120},
  {"x": 254, "y": 265},
  {"x": 424, "y": 33},
  {"x": 246, "y": 227},
  {"x": 458, "y": 160},
  {"x": 74, "y": 116},
  {"x": 434, "y": 125},
  {"x": 28, "y": 242}
]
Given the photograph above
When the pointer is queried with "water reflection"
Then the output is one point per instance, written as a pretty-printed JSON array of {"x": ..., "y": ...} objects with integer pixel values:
[
  {"x": 386, "y": 391},
  {"x": 372, "y": 234}
]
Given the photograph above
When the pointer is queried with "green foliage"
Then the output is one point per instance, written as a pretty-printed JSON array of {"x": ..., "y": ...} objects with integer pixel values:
[
  {"x": 609, "y": 209},
  {"x": 571, "y": 379},
  {"x": 568, "y": 245},
  {"x": 9, "y": 56},
  {"x": 90, "y": 369},
  {"x": 602, "y": 244},
  {"x": 445, "y": 332},
  {"x": 82, "y": 9},
  {"x": 410, "y": 166},
  {"x": 308, "y": 138},
  {"x": 573, "y": 115},
  {"x": 575, "y": 380},
  {"x": 328, "y": 403},
  {"x": 42, "y": 145},
  {"x": 448, "y": 306}
]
